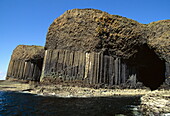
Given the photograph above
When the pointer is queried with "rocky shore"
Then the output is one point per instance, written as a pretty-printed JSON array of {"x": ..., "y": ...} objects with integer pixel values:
[
  {"x": 156, "y": 103},
  {"x": 62, "y": 90},
  {"x": 8, "y": 85},
  {"x": 69, "y": 91},
  {"x": 152, "y": 102}
]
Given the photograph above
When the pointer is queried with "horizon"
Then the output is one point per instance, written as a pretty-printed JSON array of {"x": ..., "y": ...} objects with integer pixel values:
[{"x": 27, "y": 22}]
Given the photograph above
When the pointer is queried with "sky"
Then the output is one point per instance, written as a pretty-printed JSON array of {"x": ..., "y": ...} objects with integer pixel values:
[{"x": 26, "y": 22}]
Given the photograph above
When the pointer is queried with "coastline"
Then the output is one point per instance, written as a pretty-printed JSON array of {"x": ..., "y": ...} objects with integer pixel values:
[
  {"x": 156, "y": 102},
  {"x": 152, "y": 102},
  {"x": 67, "y": 91},
  {"x": 10, "y": 85}
]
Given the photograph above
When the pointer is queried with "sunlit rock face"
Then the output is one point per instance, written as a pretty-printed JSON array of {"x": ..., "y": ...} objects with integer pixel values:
[
  {"x": 26, "y": 63},
  {"x": 94, "y": 47},
  {"x": 95, "y": 30},
  {"x": 140, "y": 51}
]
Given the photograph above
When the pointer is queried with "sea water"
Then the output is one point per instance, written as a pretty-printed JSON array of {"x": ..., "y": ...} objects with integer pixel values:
[{"x": 23, "y": 104}]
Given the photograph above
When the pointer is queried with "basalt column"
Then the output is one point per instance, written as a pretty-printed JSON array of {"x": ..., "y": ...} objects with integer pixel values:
[
  {"x": 97, "y": 47},
  {"x": 26, "y": 63}
]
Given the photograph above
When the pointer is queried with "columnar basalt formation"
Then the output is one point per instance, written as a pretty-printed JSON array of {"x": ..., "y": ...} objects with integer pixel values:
[
  {"x": 95, "y": 47},
  {"x": 113, "y": 49},
  {"x": 92, "y": 68},
  {"x": 26, "y": 63}
]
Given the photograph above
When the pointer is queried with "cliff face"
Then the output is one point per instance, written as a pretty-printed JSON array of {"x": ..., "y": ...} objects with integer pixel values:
[
  {"x": 118, "y": 47},
  {"x": 93, "y": 30},
  {"x": 159, "y": 38},
  {"x": 26, "y": 63},
  {"x": 28, "y": 53},
  {"x": 97, "y": 48}
]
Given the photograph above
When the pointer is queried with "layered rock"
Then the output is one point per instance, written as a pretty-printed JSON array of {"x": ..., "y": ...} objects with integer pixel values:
[{"x": 26, "y": 63}]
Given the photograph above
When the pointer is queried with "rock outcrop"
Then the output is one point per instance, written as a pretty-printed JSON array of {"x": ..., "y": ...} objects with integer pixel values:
[
  {"x": 26, "y": 63},
  {"x": 91, "y": 48},
  {"x": 159, "y": 38},
  {"x": 93, "y": 30},
  {"x": 138, "y": 51},
  {"x": 98, "y": 48},
  {"x": 28, "y": 53}
]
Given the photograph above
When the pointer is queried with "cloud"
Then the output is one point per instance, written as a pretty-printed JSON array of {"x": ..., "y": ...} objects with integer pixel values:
[{"x": 2, "y": 75}]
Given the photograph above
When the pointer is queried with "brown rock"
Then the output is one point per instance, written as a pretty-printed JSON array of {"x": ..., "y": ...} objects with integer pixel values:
[
  {"x": 26, "y": 63},
  {"x": 93, "y": 30},
  {"x": 26, "y": 52}
]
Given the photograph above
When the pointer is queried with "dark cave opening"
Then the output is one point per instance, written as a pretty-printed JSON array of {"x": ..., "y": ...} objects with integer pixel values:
[
  {"x": 37, "y": 69},
  {"x": 150, "y": 68},
  {"x": 40, "y": 66}
]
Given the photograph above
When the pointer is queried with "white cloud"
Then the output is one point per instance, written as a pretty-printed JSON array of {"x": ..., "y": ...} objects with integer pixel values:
[{"x": 2, "y": 75}]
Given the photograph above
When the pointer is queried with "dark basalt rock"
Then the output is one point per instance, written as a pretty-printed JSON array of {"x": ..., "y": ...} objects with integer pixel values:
[
  {"x": 26, "y": 63},
  {"x": 159, "y": 38},
  {"x": 142, "y": 49},
  {"x": 95, "y": 47}
]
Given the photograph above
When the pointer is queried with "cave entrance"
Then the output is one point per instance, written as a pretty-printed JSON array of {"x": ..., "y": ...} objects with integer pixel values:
[
  {"x": 150, "y": 68},
  {"x": 39, "y": 64}
]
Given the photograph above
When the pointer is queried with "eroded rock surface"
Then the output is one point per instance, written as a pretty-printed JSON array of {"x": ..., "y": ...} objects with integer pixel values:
[
  {"x": 159, "y": 38},
  {"x": 143, "y": 48},
  {"x": 93, "y": 30},
  {"x": 26, "y": 52},
  {"x": 26, "y": 63}
]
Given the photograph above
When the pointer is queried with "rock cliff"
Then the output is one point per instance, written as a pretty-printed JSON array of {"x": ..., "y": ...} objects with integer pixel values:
[
  {"x": 26, "y": 63},
  {"x": 98, "y": 48},
  {"x": 116, "y": 46},
  {"x": 93, "y": 30},
  {"x": 28, "y": 53},
  {"x": 158, "y": 37}
]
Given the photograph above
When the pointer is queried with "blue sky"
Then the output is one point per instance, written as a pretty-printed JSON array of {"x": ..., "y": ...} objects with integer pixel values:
[{"x": 27, "y": 21}]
